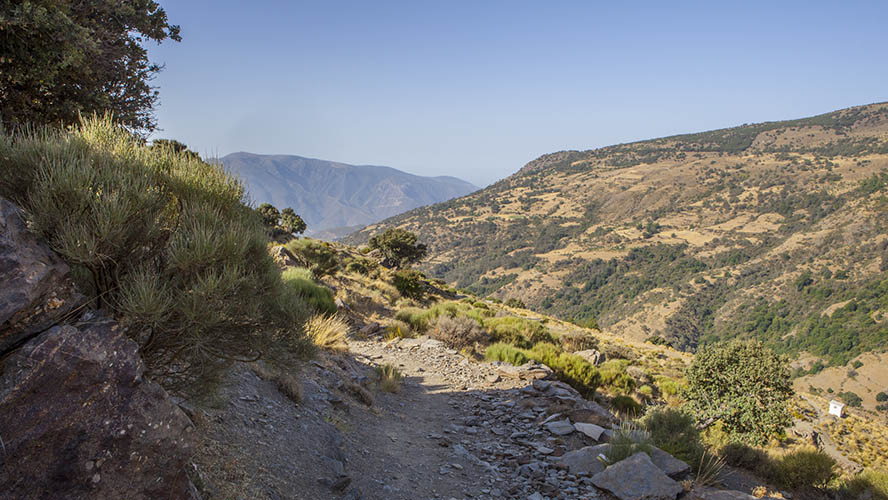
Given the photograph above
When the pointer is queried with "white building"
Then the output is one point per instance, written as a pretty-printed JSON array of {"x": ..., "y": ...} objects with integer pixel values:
[{"x": 836, "y": 408}]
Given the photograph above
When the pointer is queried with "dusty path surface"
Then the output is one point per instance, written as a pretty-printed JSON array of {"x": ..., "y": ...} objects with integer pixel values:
[
  {"x": 456, "y": 429},
  {"x": 825, "y": 441}
]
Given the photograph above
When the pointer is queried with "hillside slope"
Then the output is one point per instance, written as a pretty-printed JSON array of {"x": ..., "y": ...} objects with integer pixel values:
[
  {"x": 776, "y": 230},
  {"x": 336, "y": 198}
]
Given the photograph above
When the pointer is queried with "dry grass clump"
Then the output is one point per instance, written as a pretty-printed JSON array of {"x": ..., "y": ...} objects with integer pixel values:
[
  {"x": 388, "y": 377},
  {"x": 459, "y": 332},
  {"x": 573, "y": 342},
  {"x": 285, "y": 382},
  {"x": 361, "y": 394},
  {"x": 327, "y": 331},
  {"x": 863, "y": 441},
  {"x": 396, "y": 329}
]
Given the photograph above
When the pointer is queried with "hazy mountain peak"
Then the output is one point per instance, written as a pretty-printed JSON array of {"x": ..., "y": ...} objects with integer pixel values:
[{"x": 335, "y": 197}]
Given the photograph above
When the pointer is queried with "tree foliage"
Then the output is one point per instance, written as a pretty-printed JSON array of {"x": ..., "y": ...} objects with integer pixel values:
[
  {"x": 270, "y": 215},
  {"x": 744, "y": 385},
  {"x": 399, "y": 245},
  {"x": 281, "y": 223},
  {"x": 63, "y": 58},
  {"x": 292, "y": 223}
]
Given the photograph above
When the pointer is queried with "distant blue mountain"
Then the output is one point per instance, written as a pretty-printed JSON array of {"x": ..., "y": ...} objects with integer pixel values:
[{"x": 334, "y": 198}]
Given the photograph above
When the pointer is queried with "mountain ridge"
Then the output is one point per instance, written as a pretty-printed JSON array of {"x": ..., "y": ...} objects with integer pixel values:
[
  {"x": 335, "y": 197},
  {"x": 774, "y": 231}
]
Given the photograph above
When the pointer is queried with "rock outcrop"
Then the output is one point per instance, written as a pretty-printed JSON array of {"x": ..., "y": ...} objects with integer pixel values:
[
  {"x": 34, "y": 287},
  {"x": 637, "y": 478},
  {"x": 77, "y": 418}
]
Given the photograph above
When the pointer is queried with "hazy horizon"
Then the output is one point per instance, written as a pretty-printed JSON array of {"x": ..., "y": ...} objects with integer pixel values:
[{"x": 476, "y": 91}]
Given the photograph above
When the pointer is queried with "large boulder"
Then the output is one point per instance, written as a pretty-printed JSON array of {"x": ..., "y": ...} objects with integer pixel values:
[
  {"x": 585, "y": 460},
  {"x": 283, "y": 257},
  {"x": 78, "y": 420},
  {"x": 34, "y": 287},
  {"x": 593, "y": 356},
  {"x": 670, "y": 465},
  {"x": 637, "y": 478}
]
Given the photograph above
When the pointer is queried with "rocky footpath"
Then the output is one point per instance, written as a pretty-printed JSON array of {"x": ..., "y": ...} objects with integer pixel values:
[
  {"x": 528, "y": 436},
  {"x": 77, "y": 419}
]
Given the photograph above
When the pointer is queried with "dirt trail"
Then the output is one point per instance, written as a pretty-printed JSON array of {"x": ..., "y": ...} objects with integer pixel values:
[
  {"x": 825, "y": 442},
  {"x": 450, "y": 432}
]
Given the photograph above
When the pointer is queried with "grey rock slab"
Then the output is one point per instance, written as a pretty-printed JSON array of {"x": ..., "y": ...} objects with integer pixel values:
[
  {"x": 670, "y": 465},
  {"x": 560, "y": 427},
  {"x": 591, "y": 355},
  {"x": 585, "y": 460},
  {"x": 713, "y": 494},
  {"x": 637, "y": 478},
  {"x": 591, "y": 430}
]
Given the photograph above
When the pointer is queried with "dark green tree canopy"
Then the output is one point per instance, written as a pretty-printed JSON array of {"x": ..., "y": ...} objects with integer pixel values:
[
  {"x": 399, "y": 245},
  {"x": 744, "y": 385},
  {"x": 292, "y": 223},
  {"x": 175, "y": 146},
  {"x": 270, "y": 215},
  {"x": 63, "y": 58}
]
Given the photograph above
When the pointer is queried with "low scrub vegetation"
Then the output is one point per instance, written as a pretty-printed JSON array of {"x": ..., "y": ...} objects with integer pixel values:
[
  {"x": 627, "y": 440},
  {"x": 506, "y": 353},
  {"x": 521, "y": 332},
  {"x": 388, "y": 377},
  {"x": 162, "y": 240},
  {"x": 318, "y": 297},
  {"x": 410, "y": 283},
  {"x": 320, "y": 256},
  {"x": 804, "y": 468},
  {"x": 459, "y": 332},
  {"x": 327, "y": 331},
  {"x": 569, "y": 368},
  {"x": 674, "y": 431}
]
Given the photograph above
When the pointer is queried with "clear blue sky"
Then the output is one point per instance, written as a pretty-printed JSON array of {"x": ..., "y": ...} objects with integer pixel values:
[{"x": 475, "y": 89}]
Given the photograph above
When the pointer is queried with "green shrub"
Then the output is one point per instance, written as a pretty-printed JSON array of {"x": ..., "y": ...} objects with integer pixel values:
[
  {"x": 518, "y": 331},
  {"x": 851, "y": 399},
  {"x": 744, "y": 385},
  {"x": 359, "y": 266},
  {"x": 569, "y": 368},
  {"x": 747, "y": 457},
  {"x": 506, "y": 353},
  {"x": 162, "y": 240},
  {"x": 418, "y": 319},
  {"x": 409, "y": 283},
  {"x": 804, "y": 469},
  {"x": 625, "y": 405},
  {"x": 516, "y": 303},
  {"x": 675, "y": 432},
  {"x": 458, "y": 332},
  {"x": 627, "y": 441},
  {"x": 870, "y": 483},
  {"x": 319, "y": 297},
  {"x": 668, "y": 386},
  {"x": 881, "y": 397},
  {"x": 320, "y": 256},
  {"x": 614, "y": 376}
]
